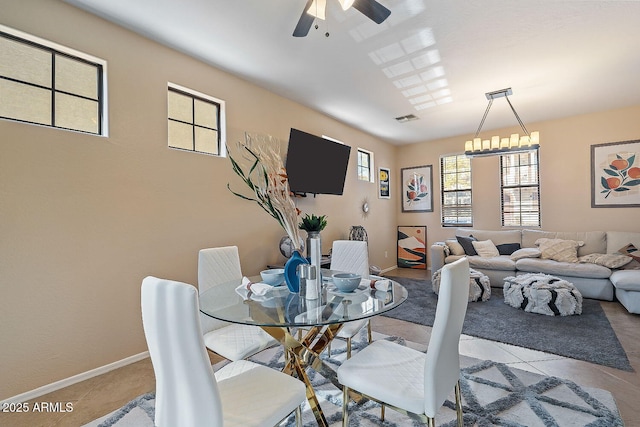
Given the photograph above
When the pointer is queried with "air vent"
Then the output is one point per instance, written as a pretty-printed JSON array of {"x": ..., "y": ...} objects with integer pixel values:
[{"x": 407, "y": 118}]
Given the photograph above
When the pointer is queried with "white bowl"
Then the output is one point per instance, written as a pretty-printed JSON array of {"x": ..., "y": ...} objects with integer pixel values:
[
  {"x": 273, "y": 277},
  {"x": 346, "y": 282}
]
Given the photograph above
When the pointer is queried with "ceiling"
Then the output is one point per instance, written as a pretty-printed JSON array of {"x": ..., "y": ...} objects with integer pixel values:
[{"x": 434, "y": 59}]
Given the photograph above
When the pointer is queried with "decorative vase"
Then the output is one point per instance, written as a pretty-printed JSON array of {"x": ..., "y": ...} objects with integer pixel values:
[
  {"x": 312, "y": 235},
  {"x": 291, "y": 271}
]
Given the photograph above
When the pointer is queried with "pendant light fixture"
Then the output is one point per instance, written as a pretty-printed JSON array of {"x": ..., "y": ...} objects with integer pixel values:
[{"x": 497, "y": 145}]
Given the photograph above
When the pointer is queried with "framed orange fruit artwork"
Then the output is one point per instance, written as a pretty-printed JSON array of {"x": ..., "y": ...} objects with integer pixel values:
[{"x": 615, "y": 174}]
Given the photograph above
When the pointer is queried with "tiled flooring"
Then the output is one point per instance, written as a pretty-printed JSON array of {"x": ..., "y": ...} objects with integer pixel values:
[{"x": 105, "y": 393}]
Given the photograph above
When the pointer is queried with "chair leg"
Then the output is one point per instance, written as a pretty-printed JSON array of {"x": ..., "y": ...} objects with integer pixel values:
[
  {"x": 345, "y": 403},
  {"x": 369, "y": 331},
  {"x": 382, "y": 412},
  {"x": 329, "y": 350},
  {"x": 299, "y": 416},
  {"x": 459, "y": 415},
  {"x": 431, "y": 422},
  {"x": 348, "y": 348}
]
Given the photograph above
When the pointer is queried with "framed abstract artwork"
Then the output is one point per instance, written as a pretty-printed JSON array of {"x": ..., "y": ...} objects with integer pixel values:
[
  {"x": 417, "y": 189},
  {"x": 412, "y": 242},
  {"x": 384, "y": 183},
  {"x": 615, "y": 174}
]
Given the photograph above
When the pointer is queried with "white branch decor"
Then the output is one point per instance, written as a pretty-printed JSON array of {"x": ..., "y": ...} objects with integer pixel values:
[{"x": 261, "y": 168}]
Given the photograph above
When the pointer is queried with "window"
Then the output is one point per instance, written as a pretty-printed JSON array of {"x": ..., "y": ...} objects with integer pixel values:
[
  {"x": 365, "y": 165},
  {"x": 196, "y": 121},
  {"x": 47, "y": 84},
  {"x": 455, "y": 181},
  {"x": 520, "y": 186}
]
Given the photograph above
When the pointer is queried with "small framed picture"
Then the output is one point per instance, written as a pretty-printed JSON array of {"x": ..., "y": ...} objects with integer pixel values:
[
  {"x": 417, "y": 188},
  {"x": 384, "y": 183},
  {"x": 615, "y": 175}
]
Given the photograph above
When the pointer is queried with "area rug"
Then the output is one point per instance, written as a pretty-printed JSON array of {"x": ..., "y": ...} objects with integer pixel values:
[
  {"x": 493, "y": 394},
  {"x": 588, "y": 336}
]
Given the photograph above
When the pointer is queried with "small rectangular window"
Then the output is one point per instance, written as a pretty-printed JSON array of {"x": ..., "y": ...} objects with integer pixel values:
[
  {"x": 520, "y": 189},
  {"x": 365, "y": 165},
  {"x": 455, "y": 179},
  {"x": 47, "y": 84},
  {"x": 195, "y": 121}
]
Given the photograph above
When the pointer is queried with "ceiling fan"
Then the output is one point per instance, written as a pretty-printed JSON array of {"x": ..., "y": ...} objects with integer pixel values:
[{"x": 316, "y": 9}]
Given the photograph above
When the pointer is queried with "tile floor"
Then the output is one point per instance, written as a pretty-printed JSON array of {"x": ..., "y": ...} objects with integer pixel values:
[{"x": 100, "y": 395}]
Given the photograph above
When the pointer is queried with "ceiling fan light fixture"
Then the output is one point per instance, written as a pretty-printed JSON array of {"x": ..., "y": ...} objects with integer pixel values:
[
  {"x": 318, "y": 9},
  {"x": 346, "y": 4}
]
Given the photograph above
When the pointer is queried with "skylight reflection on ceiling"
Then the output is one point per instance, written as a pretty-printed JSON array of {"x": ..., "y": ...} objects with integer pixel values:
[{"x": 413, "y": 64}]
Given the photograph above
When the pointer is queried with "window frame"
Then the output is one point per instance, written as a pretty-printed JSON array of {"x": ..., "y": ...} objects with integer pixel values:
[
  {"x": 444, "y": 192},
  {"x": 520, "y": 186},
  {"x": 56, "y": 49},
  {"x": 369, "y": 168},
  {"x": 221, "y": 119}
]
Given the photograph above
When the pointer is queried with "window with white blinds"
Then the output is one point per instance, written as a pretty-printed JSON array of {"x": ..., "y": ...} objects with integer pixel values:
[
  {"x": 455, "y": 179},
  {"x": 520, "y": 189},
  {"x": 47, "y": 84},
  {"x": 196, "y": 121}
]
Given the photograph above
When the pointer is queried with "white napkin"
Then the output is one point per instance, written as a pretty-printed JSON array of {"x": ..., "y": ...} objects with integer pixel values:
[
  {"x": 380, "y": 285},
  {"x": 247, "y": 285}
]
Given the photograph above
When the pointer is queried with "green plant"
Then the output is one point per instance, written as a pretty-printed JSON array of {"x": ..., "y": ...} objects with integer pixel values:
[{"x": 313, "y": 223}]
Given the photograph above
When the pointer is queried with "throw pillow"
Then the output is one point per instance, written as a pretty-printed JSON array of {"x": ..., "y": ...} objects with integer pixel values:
[
  {"x": 467, "y": 245},
  {"x": 525, "y": 253},
  {"x": 559, "y": 249},
  {"x": 455, "y": 247},
  {"x": 607, "y": 260},
  {"x": 508, "y": 248},
  {"x": 485, "y": 248}
]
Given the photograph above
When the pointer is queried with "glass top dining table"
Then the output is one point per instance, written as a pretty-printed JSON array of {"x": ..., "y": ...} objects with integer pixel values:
[
  {"x": 282, "y": 308},
  {"x": 282, "y": 313}
]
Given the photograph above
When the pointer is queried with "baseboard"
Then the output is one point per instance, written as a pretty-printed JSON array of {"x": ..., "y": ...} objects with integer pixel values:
[{"x": 41, "y": 391}]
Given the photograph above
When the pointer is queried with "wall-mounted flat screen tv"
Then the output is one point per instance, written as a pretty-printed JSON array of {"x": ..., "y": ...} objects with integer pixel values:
[{"x": 316, "y": 165}]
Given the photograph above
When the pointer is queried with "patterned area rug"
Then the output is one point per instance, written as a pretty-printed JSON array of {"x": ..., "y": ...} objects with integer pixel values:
[{"x": 493, "y": 395}]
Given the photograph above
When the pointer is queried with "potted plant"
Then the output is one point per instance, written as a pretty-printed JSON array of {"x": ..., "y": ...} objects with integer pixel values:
[{"x": 313, "y": 225}]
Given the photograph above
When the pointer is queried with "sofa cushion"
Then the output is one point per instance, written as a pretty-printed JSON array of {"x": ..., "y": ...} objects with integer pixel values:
[
  {"x": 507, "y": 248},
  {"x": 607, "y": 260},
  {"x": 497, "y": 237},
  {"x": 467, "y": 245},
  {"x": 594, "y": 241},
  {"x": 629, "y": 280},
  {"x": 485, "y": 248},
  {"x": 559, "y": 249},
  {"x": 571, "y": 269},
  {"x": 454, "y": 247},
  {"x": 501, "y": 262},
  {"x": 525, "y": 253}
]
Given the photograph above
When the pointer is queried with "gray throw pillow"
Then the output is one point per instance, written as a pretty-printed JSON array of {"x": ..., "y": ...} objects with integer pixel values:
[{"x": 467, "y": 245}]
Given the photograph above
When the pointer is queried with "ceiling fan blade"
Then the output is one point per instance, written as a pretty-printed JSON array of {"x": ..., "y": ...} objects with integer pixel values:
[
  {"x": 372, "y": 10},
  {"x": 304, "y": 23}
]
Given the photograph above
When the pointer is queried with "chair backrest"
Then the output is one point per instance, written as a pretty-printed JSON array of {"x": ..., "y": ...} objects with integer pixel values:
[
  {"x": 218, "y": 265},
  {"x": 186, "y": 389},
  {"x": 351, "y": 256},
  {"x": 442, "y": 365}
]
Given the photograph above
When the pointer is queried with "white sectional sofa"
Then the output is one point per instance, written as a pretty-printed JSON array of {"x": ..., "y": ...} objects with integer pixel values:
[{"x": 520, "y": 254}]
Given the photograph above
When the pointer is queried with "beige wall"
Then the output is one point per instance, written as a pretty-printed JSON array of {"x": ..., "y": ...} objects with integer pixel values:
[
  {"x": 565, "y": 180},
  {"x": 83, "y": 218}
]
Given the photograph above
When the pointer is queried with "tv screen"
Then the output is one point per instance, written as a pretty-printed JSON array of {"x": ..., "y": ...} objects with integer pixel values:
[{"x": 316, "y": 165}]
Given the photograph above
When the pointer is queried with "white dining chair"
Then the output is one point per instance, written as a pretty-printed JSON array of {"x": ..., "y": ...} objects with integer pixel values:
[
  {"x": 188, "y": 394},
  {"x": 407, "y": 380},
  {"x": 351, "y": 256},
  {"x": 229, "y": 340}
]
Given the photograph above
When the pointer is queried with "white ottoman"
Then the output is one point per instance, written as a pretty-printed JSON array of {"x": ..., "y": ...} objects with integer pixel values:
[
  {"x": 542, "y": 294},
  {"x": 479, "y": 285},
  {"x": 627, "y": 284}
]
